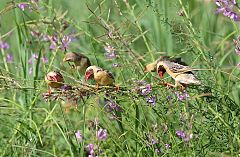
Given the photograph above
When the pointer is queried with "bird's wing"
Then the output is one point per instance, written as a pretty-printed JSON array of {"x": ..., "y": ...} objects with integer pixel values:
[
  {"x": 168, "y": 58},
  {"x": 187, "y": 79},
  {"x": 109, "y": 74},
  {"x": 178, "y": 68}
]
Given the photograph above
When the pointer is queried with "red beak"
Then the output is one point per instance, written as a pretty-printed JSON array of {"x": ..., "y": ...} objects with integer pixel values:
[
  {"x": 145, "y": 70},
  {"x": 87, "y": 76},
  {"x": 53, "y": 78},
  {"x": 160, "y": 73}
]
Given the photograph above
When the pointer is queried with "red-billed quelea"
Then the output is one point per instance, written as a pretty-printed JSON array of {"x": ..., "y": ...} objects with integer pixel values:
[
  {"x": 101, "y": 76},
  {"x": 54, "y": 79},
  {"x": 81, "y": 62},
  {"x": 182, "y": 74}
]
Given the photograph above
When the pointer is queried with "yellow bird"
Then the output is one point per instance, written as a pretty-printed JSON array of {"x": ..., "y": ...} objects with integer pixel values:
[
  {"x": 101, "y": 76},
  {"x": 81, "y": 62},
  {"x": 182, "y": 74}
]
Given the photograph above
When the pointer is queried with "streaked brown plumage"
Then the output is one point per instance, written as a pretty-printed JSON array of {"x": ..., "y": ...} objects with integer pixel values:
[
  {"x": 182, "y": 74},
  {"x": 81, "y": 62},
  {"x": 54, "y": 79},
  {"x": 151, "y": 67},
  {"x": 101, "y": 76}
]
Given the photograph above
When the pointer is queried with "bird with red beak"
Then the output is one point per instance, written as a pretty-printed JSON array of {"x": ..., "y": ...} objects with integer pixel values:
[
  {"x": 101, "y": 76},
  {"x": 182, "y": 74},
  {"x": 54, "y": 80}
]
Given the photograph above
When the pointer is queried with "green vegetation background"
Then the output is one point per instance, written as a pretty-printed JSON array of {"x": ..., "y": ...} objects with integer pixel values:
[{"x": 141, "y": 31}]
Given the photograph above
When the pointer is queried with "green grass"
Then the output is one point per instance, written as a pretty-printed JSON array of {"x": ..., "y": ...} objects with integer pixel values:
[{"x": 141, "y": 31}]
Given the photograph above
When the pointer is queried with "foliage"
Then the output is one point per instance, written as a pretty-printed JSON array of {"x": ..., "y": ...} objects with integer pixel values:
[{"x": 121, "y": 36}]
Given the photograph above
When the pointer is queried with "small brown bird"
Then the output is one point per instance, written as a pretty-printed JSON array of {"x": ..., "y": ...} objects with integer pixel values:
[
  {"x": 81, "y": 62},
  {"x": 182, "y": 74},
  {"x": 54, "y": 79},
  {"x": 101, "y": 76}
]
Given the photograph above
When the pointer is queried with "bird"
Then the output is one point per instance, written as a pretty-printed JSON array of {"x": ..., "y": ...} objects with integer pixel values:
[
  {"x": 54, "y": 79},
  {"x": 81, "y": 62},
  {"x": 179, "y": 71},
  {"x": 101, "y": 76}
]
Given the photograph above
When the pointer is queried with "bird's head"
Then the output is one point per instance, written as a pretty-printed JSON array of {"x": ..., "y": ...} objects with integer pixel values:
[
  {"x": 160, "y": 69},
  {"x": 54, "y": 79},
  {"x": 70, "y": 57},
  {"x": 54, "y": 76},
  {"x": 90, "y": 72},
  {"x": 150, "y": 67}
]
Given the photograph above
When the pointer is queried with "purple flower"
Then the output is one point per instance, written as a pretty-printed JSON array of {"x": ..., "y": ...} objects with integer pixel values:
[
  {"x": 183, "y": 96},
  {"x": 66, "y": 87},
  {"x": 169, "y": 98},
  {"x": 53, "y": 41},
  {"x": 145, "y": 90},
  {"x": 45, "y": 38},
  {"x": 109, "y": 49},
  {"x": 237, "y": 50},
  {"x": 167, "y": 146},
  {"x": 4, "y": 45},
  {"x": 90, "y": 149},
  {"x": 30, "y": 70},
  {"x": 110, "y": 106},
  {"x": 30, "y": 61},
  {"x": 151, "y": 100},
  {"x": 152, "y": 140},
  {"x": 188, "y": 137},
  {"x": 35, "y": 34},
  {"x": 66, "y": 40},
  {"x": 79, "y": 136},
  {"x": 35, "y": 56},
  {"x": 102, "y": 134},
  {"x": 9, "y": 58},
  {"x": 184, "y": 136},
  {"x": 54, "y": 38},
  {"x": 23, "y": 6},
  {"x": 45, "y": 60},
  {"x": 111, "y": 53},
  {"x": 180, "y": 134},
  {"x": 226, "y": 7},
  {"x": 158, "y": 151},
  {"x": 53, "y": 45}
]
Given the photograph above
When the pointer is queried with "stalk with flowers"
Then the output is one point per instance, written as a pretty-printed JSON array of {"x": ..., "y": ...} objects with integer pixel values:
[{"x": 47, "y": 46}]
